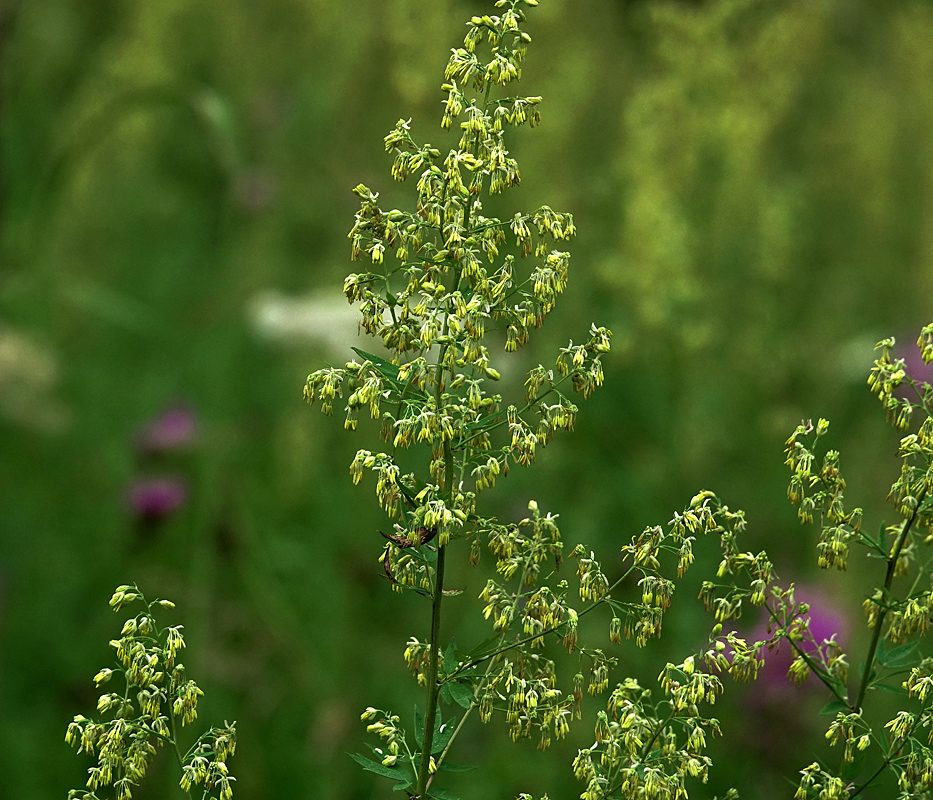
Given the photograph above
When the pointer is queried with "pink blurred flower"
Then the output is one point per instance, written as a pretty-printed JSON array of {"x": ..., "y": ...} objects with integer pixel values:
[
  {"x": 826, "y": 619},
  {"x": 916, "y": 367},
  {"x": 156, "y": 498},
  {"x": 175, "y": 428}
]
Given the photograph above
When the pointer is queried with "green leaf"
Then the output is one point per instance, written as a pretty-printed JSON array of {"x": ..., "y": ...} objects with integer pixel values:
[
  {"x": 881, "y": 654},
  {"x": 442, "y": 794},
  {"x": 411, "y": 485},
  {"x": 481, "y": 649},
  {"x": 901, "y": 656},
  {"x": 473, "y": 428},
  {"x": 395, "y": 772},
  {"x": 442, "y": 734},
  {"x": 833, "y": 707},
  {"x": 451, "y": 656},
  {"x": 385, "y": 368},
  {"x": 459, "y": 694},
  {"x": 442, "y": 731},
  {"x": 424, "y": 555},
  {"x": 926, "y": 506},
  {"x": 623, "y": 608},
  {"x": 455, "y": 767},
  {"x": 886, "y": 687},
  {"x": 882, "y": 539},
  {"x": 389, "y": 371},
  {"x": 850, "y": 771}
]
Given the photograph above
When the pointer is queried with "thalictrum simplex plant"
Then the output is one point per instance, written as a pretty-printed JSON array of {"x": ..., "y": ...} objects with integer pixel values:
[
  {"x": 151, "y": 699},
  {"x": 442, "y": 284}
]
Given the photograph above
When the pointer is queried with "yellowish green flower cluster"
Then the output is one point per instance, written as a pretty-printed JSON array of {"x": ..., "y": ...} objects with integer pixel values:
[
  {"x": 446, "y": 289},
  {"x": 838, "y": 527},
  {"x": 897, "y": 619},
  {"x": 442, "y": 283},
  {"x": 155, "y": 697},
  {"x": 653, "y": 749},
  {"x": 443, "y": 280}
]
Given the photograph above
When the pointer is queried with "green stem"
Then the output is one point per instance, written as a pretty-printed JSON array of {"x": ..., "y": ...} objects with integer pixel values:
[
  {"x": 645, "y": 751},
  {"x": 493, "y": 426},
  {"x": 882, "y": 613},
  {"x": 427, "y": 742},
  {"x": 453, "y": 736},
  {"x": 478, "y": 689},
  {"x": 431, "y": 715},
  {"x": 815, "y": 667},
  {"x": 895, "y": 752},
  {"x": 174, "y": 741}
]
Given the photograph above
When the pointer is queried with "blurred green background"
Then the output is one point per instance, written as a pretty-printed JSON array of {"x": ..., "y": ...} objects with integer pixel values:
[{"x": 753, "y": 188}]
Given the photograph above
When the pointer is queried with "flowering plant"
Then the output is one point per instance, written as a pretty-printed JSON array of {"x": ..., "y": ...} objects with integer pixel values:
[
  {"x": 156, "y": 699},
  {"x": 434, "y": 290},
  {"x": 435, "y": 283},
  {"x": 441, "y": 281}
]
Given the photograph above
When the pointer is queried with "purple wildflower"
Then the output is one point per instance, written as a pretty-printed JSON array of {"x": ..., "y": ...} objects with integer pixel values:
[
  {"x": 175, "y": 428},
  {"x": 825, "y": 620},
  {"x": 152, "y": 499},
  {"x": 916, "y": 367}
]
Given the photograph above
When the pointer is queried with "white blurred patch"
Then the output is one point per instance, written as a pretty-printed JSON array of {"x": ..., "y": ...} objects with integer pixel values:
[
  {"x": 324, "y": 319},
  {"x": 28, "y": 378}
]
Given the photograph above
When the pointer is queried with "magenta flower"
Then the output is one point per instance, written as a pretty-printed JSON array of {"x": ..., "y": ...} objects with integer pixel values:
[
  {"x": 826, "y": 619},
  {"x": 153, "y": 499},
  {"x": 175, "y": 428},
  {"x": 914, "y": 365}
]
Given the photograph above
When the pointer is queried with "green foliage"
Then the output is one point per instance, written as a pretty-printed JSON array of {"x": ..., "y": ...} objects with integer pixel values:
[{"x": 752, "y": 186}]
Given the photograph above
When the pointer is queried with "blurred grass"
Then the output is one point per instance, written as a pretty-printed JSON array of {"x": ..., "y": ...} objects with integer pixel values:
[{"x": 752, "y": 183}]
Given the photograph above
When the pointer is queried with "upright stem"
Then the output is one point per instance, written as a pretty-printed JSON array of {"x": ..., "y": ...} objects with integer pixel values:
[
  {"x": 431, "y": 715},
  {"x": 883, "y": 611},
  {"x": 427, "y": 742}
]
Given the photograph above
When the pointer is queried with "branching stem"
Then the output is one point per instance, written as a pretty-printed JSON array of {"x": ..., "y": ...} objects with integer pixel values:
[{"x": 882, "y": 613}]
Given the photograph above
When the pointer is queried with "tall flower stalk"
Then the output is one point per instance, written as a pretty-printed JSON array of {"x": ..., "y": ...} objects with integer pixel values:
[{"x": 442, "y": 280}]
